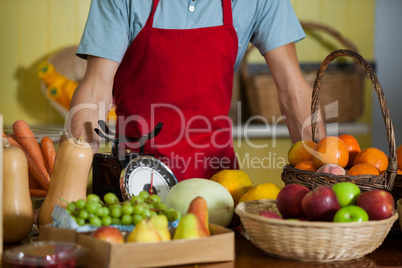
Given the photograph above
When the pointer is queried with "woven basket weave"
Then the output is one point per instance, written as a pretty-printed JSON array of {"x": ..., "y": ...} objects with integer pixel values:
[
  {"x": 310, "y": 179},
  {"x": 345, "y": 86},
  {"x": 310, "y": 241}
]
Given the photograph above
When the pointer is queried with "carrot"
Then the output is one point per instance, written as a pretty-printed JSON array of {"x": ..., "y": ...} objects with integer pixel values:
[
  {"x": 27, "y": 140},
  {"x": 4, "y": 134},
  {"x": 37, "y": 174},
  {"x": 32, "y": 167},
  {"x": 33, "y": 183},
  {"x": 49, "y": 153},
  {"x": 37, "y": 192}
]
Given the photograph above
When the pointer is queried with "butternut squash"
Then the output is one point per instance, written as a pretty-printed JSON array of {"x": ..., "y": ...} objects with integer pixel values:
[
  {"x": 17, "y": 205},
  {"x": 69, "y": 177}
]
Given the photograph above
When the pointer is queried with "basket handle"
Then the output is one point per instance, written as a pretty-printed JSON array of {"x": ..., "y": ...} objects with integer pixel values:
[
  {"x": 331, "y": 31},
  {"x": 243, "y": 68},
  {"x": 392, "y": 162}
]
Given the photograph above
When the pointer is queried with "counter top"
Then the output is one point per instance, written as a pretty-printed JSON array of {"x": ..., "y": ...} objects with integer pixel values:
[
  {"x": 281, "y": 130},
  {"x": 278, "y": 130},
  {"x": 389, "y": 254}
]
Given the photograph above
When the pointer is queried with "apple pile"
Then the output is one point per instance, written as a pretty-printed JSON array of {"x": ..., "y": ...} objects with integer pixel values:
[
  {"x": 343, "y": 202},
  {"x": 194, "y": 224}
]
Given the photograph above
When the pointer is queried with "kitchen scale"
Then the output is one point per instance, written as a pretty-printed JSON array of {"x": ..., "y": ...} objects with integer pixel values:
[{"x": 126, "y": 173}]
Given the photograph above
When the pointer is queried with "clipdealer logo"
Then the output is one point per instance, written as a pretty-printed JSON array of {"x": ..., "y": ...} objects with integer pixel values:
[{"x": 189, "y": 126}]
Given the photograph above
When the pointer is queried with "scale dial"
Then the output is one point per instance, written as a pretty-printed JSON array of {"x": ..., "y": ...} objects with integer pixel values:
[{"x": 144, "y": 172}]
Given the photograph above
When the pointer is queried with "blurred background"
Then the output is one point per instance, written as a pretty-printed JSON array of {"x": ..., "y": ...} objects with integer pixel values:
[{"x": 34, "y": 30}]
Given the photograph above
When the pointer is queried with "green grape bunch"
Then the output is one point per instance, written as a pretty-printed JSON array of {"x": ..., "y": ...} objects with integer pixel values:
[{"x": 110, "y": 211}]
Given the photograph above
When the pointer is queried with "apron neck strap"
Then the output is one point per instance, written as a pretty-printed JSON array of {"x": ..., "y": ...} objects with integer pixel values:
[
  {"x": 226, "y": 7},
  {"x": 227, "y": 12},
  {"x": 150, "y": 21}
]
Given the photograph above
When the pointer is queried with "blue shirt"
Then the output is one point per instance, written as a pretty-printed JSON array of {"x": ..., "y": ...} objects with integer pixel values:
[{"x": 113, "y": 24}]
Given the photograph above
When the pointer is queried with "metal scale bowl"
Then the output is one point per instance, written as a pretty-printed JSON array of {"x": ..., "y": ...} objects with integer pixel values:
[{"x": 127, "y": 173}]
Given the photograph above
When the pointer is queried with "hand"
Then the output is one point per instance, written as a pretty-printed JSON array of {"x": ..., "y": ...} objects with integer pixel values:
[{"x": 92, "y": 100}]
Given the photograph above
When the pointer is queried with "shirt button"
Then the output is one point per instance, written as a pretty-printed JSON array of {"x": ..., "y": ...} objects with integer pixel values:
[{"x": 191, "y": 8}]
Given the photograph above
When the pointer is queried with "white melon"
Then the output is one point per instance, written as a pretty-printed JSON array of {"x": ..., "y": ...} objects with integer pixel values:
[{"x": 219, "y": 200}]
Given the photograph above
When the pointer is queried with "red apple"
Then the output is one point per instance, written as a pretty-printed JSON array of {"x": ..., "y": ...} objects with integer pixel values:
[
  {"x": 270, "y": 214},
  {"x": 289, "y": 200},
  {"x": 320, "y": 204},
  {"x": 109, "y": 234},
  {"x": 379, "y": 204}
]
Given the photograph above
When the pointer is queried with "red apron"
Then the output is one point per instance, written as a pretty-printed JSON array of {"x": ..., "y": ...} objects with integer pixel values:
[{"x": 184, "y": 79}]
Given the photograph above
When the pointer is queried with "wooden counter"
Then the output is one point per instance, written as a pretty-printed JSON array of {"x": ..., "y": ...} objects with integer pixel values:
[{"x": 389, "y": 254}]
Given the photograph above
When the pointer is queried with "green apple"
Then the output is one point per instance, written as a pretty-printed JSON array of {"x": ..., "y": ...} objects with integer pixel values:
[
  {"x": 351, "y": 213},
  {"x": 347, "y": 193}
]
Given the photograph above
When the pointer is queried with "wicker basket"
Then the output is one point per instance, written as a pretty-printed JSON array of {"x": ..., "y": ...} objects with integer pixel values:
[
  {"x": 310, "y": 179},
  {"x": 343, "y": 85},
  {"x": 310, "y": 241}
]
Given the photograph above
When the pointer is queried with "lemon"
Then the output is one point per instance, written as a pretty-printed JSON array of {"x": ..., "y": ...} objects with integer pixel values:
[
  {"x": 261, "y": 191},
  {"x": 237, "y": 182}
]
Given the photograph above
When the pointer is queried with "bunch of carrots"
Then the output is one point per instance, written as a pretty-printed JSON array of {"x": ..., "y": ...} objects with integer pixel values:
[{"x": 40, "y": 157}]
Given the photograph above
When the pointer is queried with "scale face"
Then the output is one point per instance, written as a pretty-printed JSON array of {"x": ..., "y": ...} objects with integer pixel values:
[{"x": 144, "y": 173}]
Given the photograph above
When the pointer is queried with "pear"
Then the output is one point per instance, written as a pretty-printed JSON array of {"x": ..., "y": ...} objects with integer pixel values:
[
  {"x": 160, "y": 223},
  {"x": 198, "y": 207},
  {"x": 144, "y": 232},
  {"x": 190, "y": 227}
]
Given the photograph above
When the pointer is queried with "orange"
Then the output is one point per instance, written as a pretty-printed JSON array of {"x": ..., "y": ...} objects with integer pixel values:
[
  {"x": 399, "y": 156},
  {"x": 374, "y": 157},
  {"x": 237, "y": 182},
  {"x": 331, "y": 150},
  {"x": 353, "y": 147},
  {"x": 307, "y": 165},
  {"x": 363, "y": 169},
  {"x": 301, "y": 151}
]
